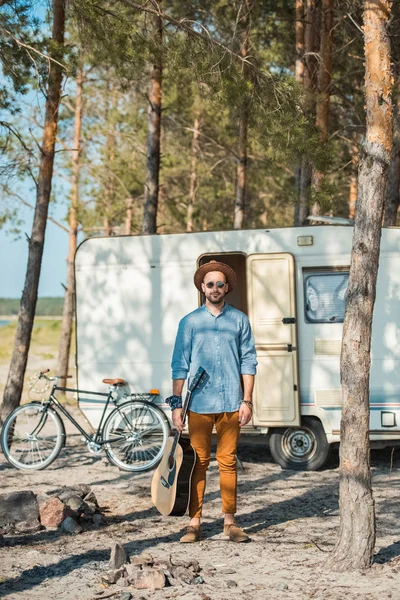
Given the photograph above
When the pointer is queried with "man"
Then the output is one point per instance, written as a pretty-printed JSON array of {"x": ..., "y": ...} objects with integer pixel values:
[{"x": 218, "y": 338}]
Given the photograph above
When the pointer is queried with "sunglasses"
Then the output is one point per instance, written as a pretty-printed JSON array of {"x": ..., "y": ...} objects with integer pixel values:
[{"x": 218, "y": 284}]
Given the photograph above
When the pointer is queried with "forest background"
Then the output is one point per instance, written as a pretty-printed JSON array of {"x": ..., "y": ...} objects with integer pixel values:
[
  {"x": 109, "y": 57},
  {"x": 169, "y": 116}
]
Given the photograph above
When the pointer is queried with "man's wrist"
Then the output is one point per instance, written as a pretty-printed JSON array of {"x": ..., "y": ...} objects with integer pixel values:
[{"x": 174, "y": 402}]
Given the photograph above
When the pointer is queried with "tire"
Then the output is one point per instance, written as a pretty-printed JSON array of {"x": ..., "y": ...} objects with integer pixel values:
[
  {"x": 141, "y": 430},
  {"x": 32, "y": 436},
  {"x": 303, "y": 448}
]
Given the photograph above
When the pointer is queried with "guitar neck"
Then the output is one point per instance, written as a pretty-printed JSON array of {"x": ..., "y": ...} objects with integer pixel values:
[{"x": 185, "y": 408}]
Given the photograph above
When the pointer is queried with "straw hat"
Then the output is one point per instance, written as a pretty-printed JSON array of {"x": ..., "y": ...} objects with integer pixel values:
[{"x": 214, "y": 265}]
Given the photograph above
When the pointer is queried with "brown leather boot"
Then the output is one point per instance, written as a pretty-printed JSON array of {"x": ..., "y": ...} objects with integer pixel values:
[
  {"x": 192, "y": 535},
  {"x": 235, "y": 534}
]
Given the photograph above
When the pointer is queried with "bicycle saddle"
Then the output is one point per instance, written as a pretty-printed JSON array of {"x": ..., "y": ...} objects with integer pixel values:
[{"x": 115, "y": 381}]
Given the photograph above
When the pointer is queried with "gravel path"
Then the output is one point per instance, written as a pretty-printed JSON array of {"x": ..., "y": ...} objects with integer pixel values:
[{"x": 291, "y": 517}]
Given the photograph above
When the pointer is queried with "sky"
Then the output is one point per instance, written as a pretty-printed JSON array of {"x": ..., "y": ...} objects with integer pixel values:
[
  {"x": 14, "y": 252},
  {"x": 14, "y": 256}
]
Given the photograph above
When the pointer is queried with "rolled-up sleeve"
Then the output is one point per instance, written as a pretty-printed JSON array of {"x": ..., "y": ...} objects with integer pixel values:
[
  {"x": 182, "y": 351},
  {"x": 248, "y": 356}
]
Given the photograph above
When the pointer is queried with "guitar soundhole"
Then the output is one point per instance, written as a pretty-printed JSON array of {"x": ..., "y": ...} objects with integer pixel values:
[{"x": 170, "y": 461}]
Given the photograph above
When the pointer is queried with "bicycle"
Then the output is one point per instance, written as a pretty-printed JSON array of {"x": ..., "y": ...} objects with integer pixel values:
[{"x": 133, "y": 436}]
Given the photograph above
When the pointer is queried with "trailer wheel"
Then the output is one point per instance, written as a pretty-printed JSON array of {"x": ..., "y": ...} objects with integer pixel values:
[{"x": 303, "y": 448}]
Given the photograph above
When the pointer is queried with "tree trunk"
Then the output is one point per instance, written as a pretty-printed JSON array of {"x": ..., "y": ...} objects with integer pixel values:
[
  {"x": 128, "y": 216},
  {"x": 26, "y": 315},
  {"x": 353, "y": 179},
  {"x": 304, "y": 170},
  {"x": 324, "y": 85},
  {"x": 193, "y": 174},
  {"x": 299, "y": 75},
  {"x": 393, "y": 191},
  {"x": 151, "y": 188},
  {"x": 355, "y": 545},
  {"x": 299, "y": 67},
  {"x": 109, "y": 188},
  {"x": 68, "y": 309},
  {"x": 241, "y": 173}
]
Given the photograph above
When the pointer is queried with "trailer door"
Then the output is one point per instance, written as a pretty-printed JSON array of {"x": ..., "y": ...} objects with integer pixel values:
[{"x": 272, "y": 313}]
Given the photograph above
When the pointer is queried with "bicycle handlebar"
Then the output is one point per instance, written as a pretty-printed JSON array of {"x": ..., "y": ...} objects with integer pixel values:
[{"x": 42, "y": 375}]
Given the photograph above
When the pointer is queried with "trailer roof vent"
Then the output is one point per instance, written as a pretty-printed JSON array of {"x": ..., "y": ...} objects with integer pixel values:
[{"x": 305, "y": 240}]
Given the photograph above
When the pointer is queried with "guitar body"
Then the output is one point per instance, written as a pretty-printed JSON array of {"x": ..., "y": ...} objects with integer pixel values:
[{"x": 170, "y": 487}]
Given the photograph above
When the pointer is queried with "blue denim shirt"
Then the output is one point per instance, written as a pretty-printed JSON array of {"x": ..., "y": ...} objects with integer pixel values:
[{"x": 224, "y": 346}]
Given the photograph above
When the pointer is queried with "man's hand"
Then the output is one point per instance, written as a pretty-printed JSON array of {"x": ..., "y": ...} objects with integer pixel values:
[
  {"x": 177, "y": 419},
  {"x": 245, "y": 414}
]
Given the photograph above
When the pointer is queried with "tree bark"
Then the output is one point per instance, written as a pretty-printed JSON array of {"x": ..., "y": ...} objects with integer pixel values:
[
  {"x": 393, "y": 190},
  {"x": 193, "y": 174},
  {"x": 68, "y": 309},
  {"x": 128, "y": 216},
  {"x": 26, "y": 315},
  {"x": 151, "y": 189},
  {"x": 299, "y": 75},
  {"x": 309, "y": 77},
  {"x": 324, "y": 86},
  {"x": 353, "y": 179},
  {"x": 109, "y": 188},
  {"x": 241, "y": 174},
  {"x": 355, "y": 545},
  {"x": 299, "y": 67}
]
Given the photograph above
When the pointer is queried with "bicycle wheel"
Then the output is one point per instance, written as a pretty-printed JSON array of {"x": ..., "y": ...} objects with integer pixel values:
[
  {"x": 32, "y": 436},
  {"x": 135, "y": 435}
]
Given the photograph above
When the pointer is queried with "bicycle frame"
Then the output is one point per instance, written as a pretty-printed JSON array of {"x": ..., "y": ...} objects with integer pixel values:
[{"x": 89, "y": 438}]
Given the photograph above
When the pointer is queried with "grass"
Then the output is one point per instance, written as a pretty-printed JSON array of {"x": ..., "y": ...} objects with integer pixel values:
[{"x": 43, "y": 351}]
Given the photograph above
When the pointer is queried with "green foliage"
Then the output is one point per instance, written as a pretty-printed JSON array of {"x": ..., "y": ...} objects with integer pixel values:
[{"x": 44, "y": 307}]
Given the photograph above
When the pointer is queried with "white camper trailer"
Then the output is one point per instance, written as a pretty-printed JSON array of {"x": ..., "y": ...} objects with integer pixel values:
[{"x": 131, "y": 292}]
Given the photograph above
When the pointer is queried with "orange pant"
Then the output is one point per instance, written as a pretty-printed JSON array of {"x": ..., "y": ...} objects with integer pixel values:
[{"x": 200, "y": 430}]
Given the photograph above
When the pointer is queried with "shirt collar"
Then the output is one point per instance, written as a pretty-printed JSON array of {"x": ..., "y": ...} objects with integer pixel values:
[{"x": 224, "y": 309}]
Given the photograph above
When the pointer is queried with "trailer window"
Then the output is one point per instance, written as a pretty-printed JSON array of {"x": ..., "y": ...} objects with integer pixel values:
[{"x": 325, "y": 296}]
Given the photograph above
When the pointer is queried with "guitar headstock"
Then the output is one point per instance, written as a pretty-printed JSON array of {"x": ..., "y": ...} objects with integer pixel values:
[{"x": 200, "y": 376}]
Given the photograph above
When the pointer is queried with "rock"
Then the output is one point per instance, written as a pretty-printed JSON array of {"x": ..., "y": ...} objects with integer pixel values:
[
  {"x": 16, "y": 507},
  {"x": 89, "y": 508},
  {"x": 132, "y": 572},
  {"x": 53, "y": 512},
  {"x": 71, "y": 526},
  {"x": 125, "y": 596},
  {"x": 227, "y": 571},
  {"x": 159, "y": 563},
  {"x": 28, "y": 526},
  {"x": 75, "y": 503},
  {"x": 182, "y": 574},
  {"x": 230, "y": 583},
  {"x": 122, "y": 582},
  {"x": 82, "y": 488},
  {"x": 281, "y": 586},
  {"x": 42, "y": 498},
  {"x": 198, "y": 580},
  {"x": 112, "y": 576},
  {"x": 90, "y": 497},
  {"x": 98, "y": 520},
  {"x": 66, "y": 493},
  {"x": 118, "y": 556},
  {"x": 142, "y": 559},
  {"x": 151, "y": 579}
]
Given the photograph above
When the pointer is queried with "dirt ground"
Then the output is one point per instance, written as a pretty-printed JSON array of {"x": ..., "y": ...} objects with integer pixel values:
[{"x": 291, "y": 517}]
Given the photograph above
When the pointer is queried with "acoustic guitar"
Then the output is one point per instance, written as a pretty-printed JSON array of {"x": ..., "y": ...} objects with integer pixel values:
[{"x": 170, "y": 487}]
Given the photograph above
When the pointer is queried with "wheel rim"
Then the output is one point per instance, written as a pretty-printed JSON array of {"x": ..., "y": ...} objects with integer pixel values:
[
  {"x": 299, "y": 444},
  {"x": 31, "y": 437},
  {"x": 143, "y": 434}
]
